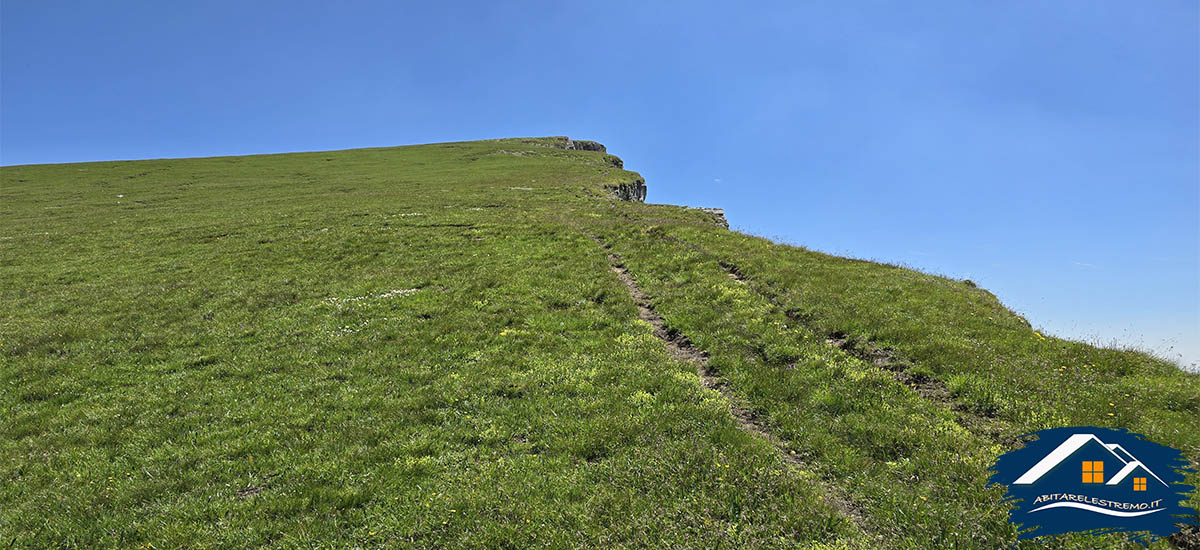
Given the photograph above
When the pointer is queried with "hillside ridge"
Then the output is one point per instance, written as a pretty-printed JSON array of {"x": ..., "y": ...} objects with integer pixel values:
[{"x": 499, "y": 343}]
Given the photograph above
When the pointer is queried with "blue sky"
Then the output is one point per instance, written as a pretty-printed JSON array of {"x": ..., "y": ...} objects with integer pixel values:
[{"x": 1048, "y": 150}]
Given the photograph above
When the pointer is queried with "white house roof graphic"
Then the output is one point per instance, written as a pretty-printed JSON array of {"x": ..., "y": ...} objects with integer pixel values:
[
  {"x": 1074, "y": 443},
  {"x": 1123, "y": 454}
]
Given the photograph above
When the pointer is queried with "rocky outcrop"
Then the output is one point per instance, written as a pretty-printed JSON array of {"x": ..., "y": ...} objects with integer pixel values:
[
  {"x": 634, "y": 191},
  {"x": 585, "y": 145},
  {"x": 564, "y": 142},
  {"x": 718, "y": 215}
]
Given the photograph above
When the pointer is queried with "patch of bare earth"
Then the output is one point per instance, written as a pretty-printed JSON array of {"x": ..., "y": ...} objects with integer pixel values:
[
  {"x": 251, "y": 491},
  {"x": 931, "y": 389}
]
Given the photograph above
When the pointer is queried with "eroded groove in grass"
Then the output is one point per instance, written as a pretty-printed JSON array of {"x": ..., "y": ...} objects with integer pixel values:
[
  {"x": 253, "y": 490},
  {"x": 927, "y": 387},
  {"x": 901, "y": 370},
  {"x": 680, "y": 348},
  {"x": 883, "y": 358},
  {"x": 886, "y": 359}
]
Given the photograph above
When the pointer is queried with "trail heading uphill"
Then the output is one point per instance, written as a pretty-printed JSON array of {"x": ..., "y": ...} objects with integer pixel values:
[
  {"x": 420, "y": 347},
  {"x": 681, "y": 349}
]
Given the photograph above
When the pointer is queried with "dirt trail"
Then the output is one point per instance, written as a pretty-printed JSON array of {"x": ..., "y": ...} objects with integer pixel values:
[
  {"x": 884, "y": 358},
  {"x": 931, "y": 389},
  {"x": 681, "y": 349}
]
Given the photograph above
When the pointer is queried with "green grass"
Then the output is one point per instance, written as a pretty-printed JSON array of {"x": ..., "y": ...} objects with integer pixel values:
[{"x": 424, "y": 347}]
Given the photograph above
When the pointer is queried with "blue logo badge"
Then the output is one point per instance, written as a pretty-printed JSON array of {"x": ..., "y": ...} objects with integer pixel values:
[{"x": 1095, "y": 479}]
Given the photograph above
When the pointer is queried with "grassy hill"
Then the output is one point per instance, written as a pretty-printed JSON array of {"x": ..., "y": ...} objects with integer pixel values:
[{"x": 477, "y": 345}]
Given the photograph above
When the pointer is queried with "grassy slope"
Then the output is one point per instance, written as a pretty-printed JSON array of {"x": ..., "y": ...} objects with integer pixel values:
[{"x": 424, "y": 345}]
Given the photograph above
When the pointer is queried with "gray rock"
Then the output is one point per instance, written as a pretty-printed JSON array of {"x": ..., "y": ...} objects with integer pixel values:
[
  {"x": 634, "y": 192},
  {"x": 718, "y": 214},
  {"x": 585, "y": 145}
]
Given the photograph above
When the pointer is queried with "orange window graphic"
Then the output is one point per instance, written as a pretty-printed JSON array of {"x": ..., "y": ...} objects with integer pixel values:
[
  {"x": 1139, "y": 484},
  {"x": 1093, "y": 471}
]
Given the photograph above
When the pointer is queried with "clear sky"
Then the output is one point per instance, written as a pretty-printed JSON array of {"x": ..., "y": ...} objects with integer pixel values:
[{"x": 1049, "y": 151}]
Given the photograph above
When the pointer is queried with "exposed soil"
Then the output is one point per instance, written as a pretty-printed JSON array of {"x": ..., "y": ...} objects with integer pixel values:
[
  {"x": 931, "y": 389},
  {"x": 247, "y": 492},
  {"x": 250, "y": 491},
  {"x": 681, "y": 349},
  {"x": 887, "y": 359}
]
